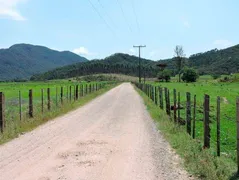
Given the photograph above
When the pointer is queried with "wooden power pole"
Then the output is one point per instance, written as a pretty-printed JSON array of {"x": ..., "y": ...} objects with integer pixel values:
[{"x": 139, "y": 60}]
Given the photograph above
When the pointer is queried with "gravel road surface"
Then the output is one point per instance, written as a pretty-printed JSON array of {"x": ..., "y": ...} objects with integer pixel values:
[{"x": 110, "y": 138}]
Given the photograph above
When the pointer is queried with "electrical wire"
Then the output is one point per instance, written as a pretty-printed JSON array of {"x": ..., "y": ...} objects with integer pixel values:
[
  {"x": 135, "y": 14},
  {"x": 122, "y": 11},
  {"x": 109, "y": 17},
  {"x": 95, "y": 9}
]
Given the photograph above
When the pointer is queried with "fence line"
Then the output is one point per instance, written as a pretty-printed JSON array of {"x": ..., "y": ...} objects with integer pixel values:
[
  {"x": 31, "y": 105},
  {"x": 176, "y": 107}
]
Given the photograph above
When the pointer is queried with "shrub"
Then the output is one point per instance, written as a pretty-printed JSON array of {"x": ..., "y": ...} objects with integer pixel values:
[
  {"x": 190, "y": 75},
  {"x": 164, "y": 75}
]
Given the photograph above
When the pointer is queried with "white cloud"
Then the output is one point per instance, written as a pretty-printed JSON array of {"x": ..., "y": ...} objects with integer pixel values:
[
  {"x": 132, "y": 51},
  {"x": 81, "y": 51},
  {"x": 222, "y": 43},
  {"x": 8, "y": 9}
]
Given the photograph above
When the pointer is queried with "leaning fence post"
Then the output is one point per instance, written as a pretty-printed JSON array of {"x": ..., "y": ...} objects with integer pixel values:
[
  {"x": 206, "y": 122},
  {"x": 48, "y": 99},
  {"x": 188, "y": 113},
  {"x": 2, "y": 111},
  {"x": 218, "y": 125},
  {"x": 194, "y": 116},
  {"x": 20, "y": 105},
  {"x": 30, "y": 104},
  {"x": 175, "y": 105}
]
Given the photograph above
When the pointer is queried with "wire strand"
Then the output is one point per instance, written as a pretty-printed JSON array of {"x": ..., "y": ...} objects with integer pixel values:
[
  {"x": 122, "y": 11},
  {"x": 135, "y": 14},
  {"x": 95, "y": 9}
]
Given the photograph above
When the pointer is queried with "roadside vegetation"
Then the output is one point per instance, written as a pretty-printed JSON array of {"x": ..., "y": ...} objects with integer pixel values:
[
  {"x": 16, "y": 127},
  {"x": 203, "y": 164}
]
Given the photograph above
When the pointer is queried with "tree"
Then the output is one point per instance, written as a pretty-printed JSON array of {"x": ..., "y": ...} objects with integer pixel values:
[
  {"x": 165, "y": 75},
  {"x": 190, "y": 75},
  {"x": 179, "y": 57}
]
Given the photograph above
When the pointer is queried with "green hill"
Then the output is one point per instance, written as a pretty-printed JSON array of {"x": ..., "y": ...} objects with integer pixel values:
[
  {"x": 117, "y": 63},
  {"x": 21, "y": 61},
  {"x": 223, "y": 61}
]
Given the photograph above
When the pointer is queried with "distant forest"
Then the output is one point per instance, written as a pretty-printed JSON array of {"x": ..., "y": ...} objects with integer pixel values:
[{"x": 216, "y": 61}]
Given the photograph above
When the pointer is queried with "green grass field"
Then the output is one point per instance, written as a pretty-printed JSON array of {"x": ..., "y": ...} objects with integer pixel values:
[
  {"x": 14, "y": 125},
  {"x": 228, "y": 93},
  {"x": 202, "y": 163}
]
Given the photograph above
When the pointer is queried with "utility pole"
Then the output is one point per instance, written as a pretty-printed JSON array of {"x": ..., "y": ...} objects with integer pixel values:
[{"x": 139, "y": 61}]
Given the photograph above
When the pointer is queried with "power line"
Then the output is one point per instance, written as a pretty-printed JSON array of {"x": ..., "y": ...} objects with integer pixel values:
[
  {"x": 140, "y": 46},
  {"x": 101, "y": 16},
  {"x": 135, "y": 14},
  {"x": 103, "y": 7},
  {"x": 124, "y": 16}
]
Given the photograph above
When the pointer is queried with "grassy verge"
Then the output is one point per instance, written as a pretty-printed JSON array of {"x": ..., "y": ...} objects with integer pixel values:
[
  {"x": 201, "y": 163},
  {"x": 15, "y": 128}
]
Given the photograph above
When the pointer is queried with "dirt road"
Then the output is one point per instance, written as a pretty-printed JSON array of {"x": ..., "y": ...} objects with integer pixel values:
[{"x": 110, "y": 138}]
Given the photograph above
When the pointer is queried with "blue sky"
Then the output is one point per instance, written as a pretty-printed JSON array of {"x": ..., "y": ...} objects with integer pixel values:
[{"x": 99, "y": 28}]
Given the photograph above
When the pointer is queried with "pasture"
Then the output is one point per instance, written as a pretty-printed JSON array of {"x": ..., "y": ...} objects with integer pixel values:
[
  {"x": 61, "y": 98},
  {"x": 228, "y": 93}
]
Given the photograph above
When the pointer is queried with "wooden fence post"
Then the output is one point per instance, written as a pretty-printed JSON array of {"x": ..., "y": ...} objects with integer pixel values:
[
  {"x": 61, "y": 95},
  {"x": 77, "y": 92},
  {"x": 48, "y": 99},
  {"x": 161, "y": 97},
  {"x": 175, "y": 105},
  {"x": 206, "y": 122},
  {"x": 194, "y": 116},
  {"x": 166, "y": 99},
  {"x": 74, "y": 93},
  {"x": 237, "y": 109},
  {"x": 188, "y": 115},
  {"x": 30, "y": 104},
  {"x": 179, "y": 107},
  {"x": 156, "y": 95},
  {"x": 86, "y": 89},
  {"x": 20, "y": 105},
  {"x": 56, "y": 96},
  {"x": 169, "y": 109},
  {"x": 82, "y": 90},
  {"x": 67, "y": 93},
  {"x": 2, "y": 111},
  {"x": 42, "y": 100},
  {"x": 70, "y": 93},
  {"x": 90, "y": 88},
  {"x": 218, "y": 125}
]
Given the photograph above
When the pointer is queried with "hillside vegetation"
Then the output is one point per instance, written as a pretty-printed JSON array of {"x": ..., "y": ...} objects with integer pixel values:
[
  {"x": 21, "y": 61},
  {"x": 117, "y": 64},
  {"x": 224, "y": 61}
]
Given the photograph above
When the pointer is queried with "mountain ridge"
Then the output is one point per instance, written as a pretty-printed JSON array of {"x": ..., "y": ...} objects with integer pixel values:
[
  {"x": 21, "y": 61},
  {"x": 211, "y": 62}
]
